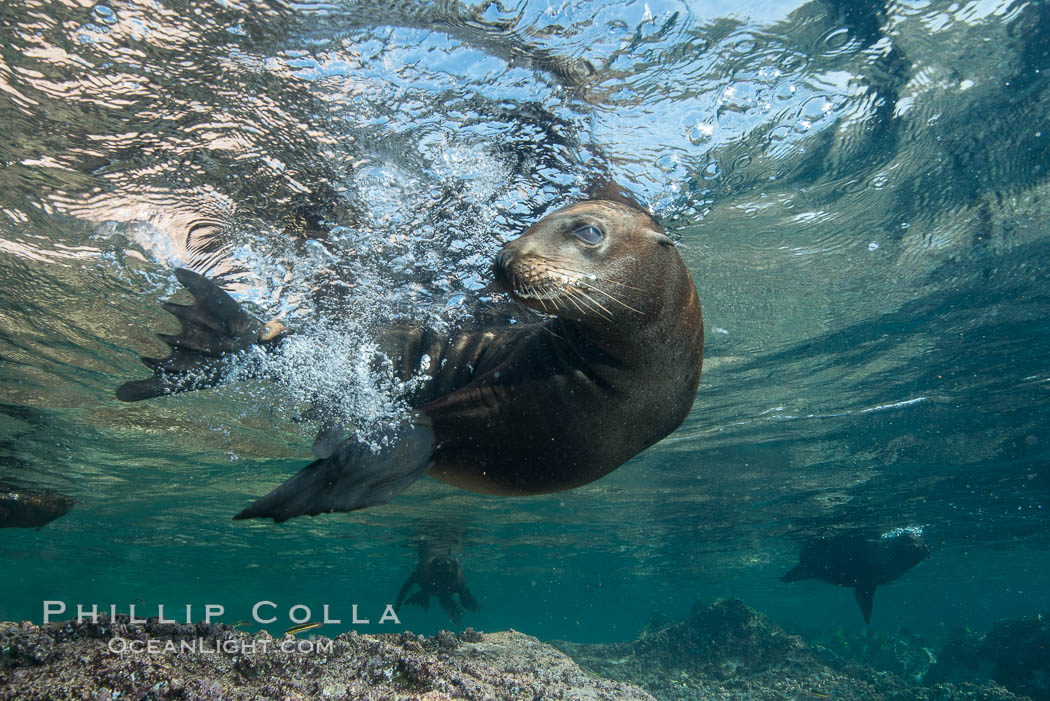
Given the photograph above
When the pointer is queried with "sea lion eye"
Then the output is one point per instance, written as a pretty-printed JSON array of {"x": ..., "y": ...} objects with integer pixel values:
[{"x": 590, "y": 235}]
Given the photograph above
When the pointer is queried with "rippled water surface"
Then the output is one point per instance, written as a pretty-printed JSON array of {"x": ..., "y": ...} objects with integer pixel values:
[{"x": 858, "y": 189}]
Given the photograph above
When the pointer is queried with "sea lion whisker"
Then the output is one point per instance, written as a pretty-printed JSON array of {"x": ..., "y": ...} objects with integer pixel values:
[
  {"x": 544, "y": 295},
  {"x": 540, "y": 292},
  {"x": 547, "y": 328},
  {"x": 539, "y": 298},
  {"x": 596, "y": 303},
  {"x": 591, "y": 304},
  {"x": 569, "y": 296},
  {"x": 591, "y": 277},
  {"x": 565, "y": 291},
  {"x": 616, "y": 282},
  {"x": 573, "y": 302},
  {"x": 615, "y": 299}
]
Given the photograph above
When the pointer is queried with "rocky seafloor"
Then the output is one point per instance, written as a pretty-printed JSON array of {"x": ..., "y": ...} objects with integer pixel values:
[
  {"x": 726, "y": 650},
  {"x": 82, "y": 661},
  {"x": 723, "y": 650}
]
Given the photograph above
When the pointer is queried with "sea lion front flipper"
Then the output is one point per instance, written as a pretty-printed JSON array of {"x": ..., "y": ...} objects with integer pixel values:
[
  {"x": 353, "y": 477},
  {"x": 404, "y": 590},
  {"x": 467, "y": 599},
  {"x": 865, "y": 595},
  {"x": 214, "y": 326},
  {"x": 420, "y": 598},
  {"x": 451, "y": 608}
]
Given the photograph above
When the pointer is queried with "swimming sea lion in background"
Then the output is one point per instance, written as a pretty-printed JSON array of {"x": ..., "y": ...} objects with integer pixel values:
[
  {"x": 29, "y": 509},
  {"x": 438, "y": 574},
  {"x": 521, "y": 409},
  {"x": 860, "y": 561}
]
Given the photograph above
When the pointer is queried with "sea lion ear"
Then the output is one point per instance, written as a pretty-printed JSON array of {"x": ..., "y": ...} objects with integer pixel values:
[
  {"x": 606, "y": 189},
  {"x": 663, "y": 239}
]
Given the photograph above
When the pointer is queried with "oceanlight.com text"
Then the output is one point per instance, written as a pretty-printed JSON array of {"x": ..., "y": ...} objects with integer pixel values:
[{"x": 207, "y": 646}]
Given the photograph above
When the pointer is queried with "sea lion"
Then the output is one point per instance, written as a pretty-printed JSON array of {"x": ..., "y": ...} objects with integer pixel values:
[
  {"x": 438, "y": 574},
  {"x": 860, "y": 561},
  {"x": 20, "y": 508},
  {"x": 521, "y": 409}
]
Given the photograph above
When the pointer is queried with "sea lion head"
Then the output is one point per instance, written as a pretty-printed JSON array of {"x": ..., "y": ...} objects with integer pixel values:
[
  {"x": 598, "y": 261},
  {"x": 905, "y": 551}
]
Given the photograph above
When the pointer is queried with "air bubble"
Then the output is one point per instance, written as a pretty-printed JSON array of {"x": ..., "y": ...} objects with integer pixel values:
[
  {"x": 741, "y": 162},
  {"x": 815, "y": 109},
  {"x": 744, "y": 47},
  {"x": 105, "y": 14},
  {"x": 779, "y": 133},
  {"x": 784, "y": 91},
  {"x": 667, "y": 163},
  {"x": 738, "y": 97},
  {"x": 835, "y": 40},
  {"x": 700, "y": 133}
]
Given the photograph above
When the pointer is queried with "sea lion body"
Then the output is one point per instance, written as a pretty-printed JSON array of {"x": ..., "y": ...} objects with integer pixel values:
[
  {"x": 513, "y": 410},
  {"x": 438, "y": 575},
  {"x": 860, "y": 562},
  {"x": 551, "y": 406},
  {"x": 21, "y": 509}
]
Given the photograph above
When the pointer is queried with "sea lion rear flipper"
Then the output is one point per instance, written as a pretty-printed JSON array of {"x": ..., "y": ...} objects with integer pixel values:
[
  {"x": 865, "y": 595},
  {"x": 467, "y": 599},
  {"x": 328, "y": 438},
  {"x": 214, "y": 326},
  {"x": 795, "y": 574},
  {"x": 353, "y": 477},
  {"x": 451, "y": 608}
]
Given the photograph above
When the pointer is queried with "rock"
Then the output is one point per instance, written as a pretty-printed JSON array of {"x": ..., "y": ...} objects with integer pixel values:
[
  {"x": 1015, "y": 653},
  {"x": 904, "y": 653},
  {"x": 726, "y": 650},
  {"x": 1020, "y": 649},
  {"x": 110, "y": 660},
  {"x": 961, "y": 659}
]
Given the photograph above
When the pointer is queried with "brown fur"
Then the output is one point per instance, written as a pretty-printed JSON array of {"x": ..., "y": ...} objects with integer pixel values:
[{"x": 577, "y": 396}]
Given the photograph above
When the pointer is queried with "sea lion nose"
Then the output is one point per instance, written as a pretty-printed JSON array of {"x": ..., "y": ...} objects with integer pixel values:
[{"x": 502, "y": 263}]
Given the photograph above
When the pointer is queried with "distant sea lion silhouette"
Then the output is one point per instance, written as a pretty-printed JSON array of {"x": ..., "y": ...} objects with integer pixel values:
[
  {"x": 438, "y": 574},
  {"x": 512, "y": 410},
  {"x": 31, "y": 509},
  {"x": 859, "y": 561}
]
